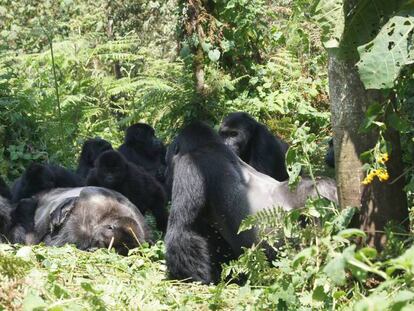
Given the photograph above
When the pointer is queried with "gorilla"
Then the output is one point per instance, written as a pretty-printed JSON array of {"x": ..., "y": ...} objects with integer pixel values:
[
  {"x": 144, "y": 149},
  {"x": 91, "y": 149},
  {"x": 5, "y": 218},
  {"x": 330, "y": 155},
  {"x": 89, "y": 217},
  {"x": 40, "y": 177},
  {"x": 213, "y": 190},
  {"x": 4, "y": 189},
  {"x": 113, "y": 171},
  {"x": 255, "y": 145}
]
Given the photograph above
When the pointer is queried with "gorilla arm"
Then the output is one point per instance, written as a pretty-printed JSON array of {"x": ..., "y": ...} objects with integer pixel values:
[{"x": 187, "y": 251}]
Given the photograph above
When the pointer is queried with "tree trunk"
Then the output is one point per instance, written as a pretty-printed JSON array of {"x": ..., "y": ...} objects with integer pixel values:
[{"x": 378, "y": 202}]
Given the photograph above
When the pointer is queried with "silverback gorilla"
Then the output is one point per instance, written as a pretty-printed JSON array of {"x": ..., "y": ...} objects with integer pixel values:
[
  {"x": 91, "y": 150},
  {"x": 255, "y": 145},
  {"x": 113, "y": 171},
  {"x": 213, "y": 188},
  {"x": 40, "y": 177},
  {"x": 89, "y": 217},
  {"x": 144, "y": 149}
]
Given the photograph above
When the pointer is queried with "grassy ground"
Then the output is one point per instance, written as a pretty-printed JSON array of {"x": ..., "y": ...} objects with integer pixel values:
[{"x": 47, "y": 278}]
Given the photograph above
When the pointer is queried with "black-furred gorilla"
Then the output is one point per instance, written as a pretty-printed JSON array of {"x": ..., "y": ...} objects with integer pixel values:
[
  {"x": 255, "y": 145},
  {"x": 89, "y": 217},
  {"x": 113, "y": 171},
  {"x": 144, "y": 149},
  {"x": 330, "y": 155},
  {"x": 40, "y": 177},
  {"x": 5, "y": 218},
  {"x": 211, "y": 185},
  {"x": 4, "y": 189},
  {"x": 91, "y": 150}
]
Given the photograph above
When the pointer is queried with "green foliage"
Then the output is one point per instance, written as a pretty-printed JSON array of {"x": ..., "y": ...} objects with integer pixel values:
[
  {"x": 116, "y": 64},
  {"x": 380, "y": 31},
  {"x": 382, "y": 59}
]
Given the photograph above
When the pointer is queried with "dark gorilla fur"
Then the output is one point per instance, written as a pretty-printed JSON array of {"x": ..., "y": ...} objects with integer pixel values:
[
  {"x": 41, "y": 177},
  {"x": 91, "y": 150},
  {"x": 144, "y": 149},
  {"x": 330, "y": 155},
  {"x": 5, "y": 218},
  {"x": 212, "y": 192},
  {"x": 4, "y": 189},
  {"x": 89, "y": 217},
  {"x": 255, "y": 145},
  {"x": 113, "y": 171}
]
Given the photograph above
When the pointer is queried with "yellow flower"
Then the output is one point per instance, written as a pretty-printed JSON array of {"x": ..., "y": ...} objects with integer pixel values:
[
  {"x": 369, "y": 178},
  {"x": 383, "y": 175},
  {"x": 383, "y": 158}
]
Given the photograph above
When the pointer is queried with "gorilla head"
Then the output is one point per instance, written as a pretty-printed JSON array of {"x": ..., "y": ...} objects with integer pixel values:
[
  {"x": 255, "y": 145},
  {"x": 237, "y": 130},
  {"x": 36, "y": 178},
  {"x": 90, "y": 218},
  {"x": 91, "y": 150},
  {"x": 111, "y": 169},
  {"x": 40, "y": 177},
  {"x": 142, "y": 136}
]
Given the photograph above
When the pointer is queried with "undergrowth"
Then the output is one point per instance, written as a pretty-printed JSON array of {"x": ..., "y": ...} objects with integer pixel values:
[{"x": 319, "y": 266}]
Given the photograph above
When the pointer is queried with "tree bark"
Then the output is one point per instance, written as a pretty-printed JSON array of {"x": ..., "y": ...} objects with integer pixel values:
[{"x": 378, "y": 202}]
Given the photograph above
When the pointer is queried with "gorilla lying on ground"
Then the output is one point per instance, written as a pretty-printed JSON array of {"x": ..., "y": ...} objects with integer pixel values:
[
  {"x": 213, "y": 190},
  {"x": 89, "y": 217},
  {"x": 255, "y": 145},
  {"x": 113, "y": 171},
  {"x": 144, "y": 149},
  {"x": 40, "y": 177},
  {"x": 91, "y": 150}
]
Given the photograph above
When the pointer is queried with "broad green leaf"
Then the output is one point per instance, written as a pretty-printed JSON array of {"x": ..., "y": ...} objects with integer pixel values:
[
  {"x": 368, "y": 252},
  {"x": 338, "y": 294},
  {"x": 404, "y": 262},
  {"x": 398, "y": 123},
  {"x": 214, "y": 55},
  {"x": 335, "y": 270},
  {"x": 382, "y": 59},
  {"x": 319, "y": 294},
  {"x": 351, "y": 232},
  {"x": 330, "y": 16},
  {"x": 303, "y": 255},
  {"x": 344, "y": 218},
  {"x": 33, "y": 301},
  {"x": 206, "y": 46}
]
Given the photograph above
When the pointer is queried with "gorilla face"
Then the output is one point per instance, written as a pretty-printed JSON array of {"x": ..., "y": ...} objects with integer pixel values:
[
  {"x": 143, "y": 137},
  {"x": 114, "y": 232},
  {"x": 89, "y": 218},
  {"x": 236, "y": 131},
  {"x": 94, "y": 147},
  {"x": 111, "y": 168}
]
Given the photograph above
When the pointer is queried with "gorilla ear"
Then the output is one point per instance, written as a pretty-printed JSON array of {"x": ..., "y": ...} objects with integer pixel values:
[{"x": 60, "y": 213}]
